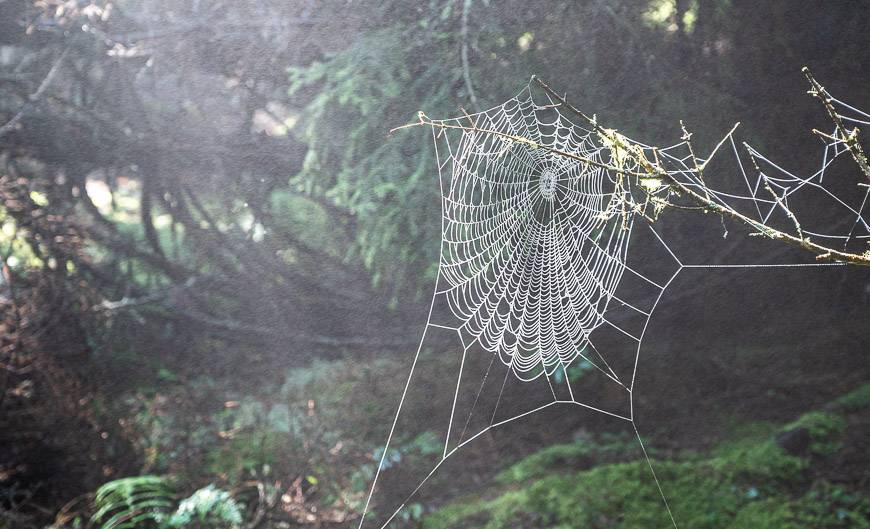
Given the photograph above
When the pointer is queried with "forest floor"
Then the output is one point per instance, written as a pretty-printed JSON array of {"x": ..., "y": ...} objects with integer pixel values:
[
  {"x": 810, "y": 473},
  {"x": 768, "y": 430}
]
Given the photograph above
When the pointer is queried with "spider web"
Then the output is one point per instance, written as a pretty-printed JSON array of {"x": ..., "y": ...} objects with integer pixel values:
[{"x": 536, "y": 276}]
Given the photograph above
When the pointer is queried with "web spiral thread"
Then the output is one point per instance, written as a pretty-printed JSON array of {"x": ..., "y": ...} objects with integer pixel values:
[{"x": 534, "y": 244}]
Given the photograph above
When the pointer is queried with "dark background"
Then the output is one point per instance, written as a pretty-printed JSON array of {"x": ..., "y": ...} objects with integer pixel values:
[{"x": 217, "y": 263}]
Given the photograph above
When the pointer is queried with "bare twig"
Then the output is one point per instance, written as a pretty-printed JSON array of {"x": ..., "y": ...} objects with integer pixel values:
[
  {"x": 779, "y": 202},
  {"x": 687, "y": 138},
  {"x": 776, "y": 198},
  {"x": 848, "y": 137}
]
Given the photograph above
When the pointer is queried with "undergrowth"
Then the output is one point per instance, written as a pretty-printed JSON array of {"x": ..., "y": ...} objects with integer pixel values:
[{"x": 747, "y": 482}]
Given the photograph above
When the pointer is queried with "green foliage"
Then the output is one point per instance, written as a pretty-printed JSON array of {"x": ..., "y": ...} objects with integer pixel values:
[
  {"x": 149, "y": 501},
  {"x": 426, "y": 444},
  {"x": 207, "y": 507},
  {"x": 390, "y": 186},
  {"x": 134, "y": 502},
  {"x": 19, "y": 255},
  {"x": 297, "y": 426},
  {"x": 307, "y": 429},
  {"x": 160, "y": 420},
  {"x": 247, "y": 454},
  {"x": 387, "y": 185}
]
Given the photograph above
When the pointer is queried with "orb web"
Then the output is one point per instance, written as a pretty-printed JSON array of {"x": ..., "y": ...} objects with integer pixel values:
[{"x": 533, "y": 244}]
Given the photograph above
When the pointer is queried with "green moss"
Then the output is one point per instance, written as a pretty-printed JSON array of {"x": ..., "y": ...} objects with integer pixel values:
[
  {"x": 745, "y": 482},
  {"x": 856, "y": 400},
  {"x": 767, "y": 514},
  {"x": 569, "y": 457},
  {"x": 704, "y": 494},
  {"x": 753, "y": 462},
  {"x": 825, "y": 429},
  {"x": 739, "y": 430},
  {"x": 502, "y": 511},
  {"x": 545, "y": 461},
  {"x": 828, "y": 507}
]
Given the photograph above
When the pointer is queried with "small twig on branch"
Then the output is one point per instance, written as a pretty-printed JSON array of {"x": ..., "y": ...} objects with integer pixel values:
[
  {"x": 779, "y": 202},
  {"x": 776, "y": 198},
  {"x": 848, "y": 137},
  {"x": 718, "y": 146},
  {"x": 687, "y": 137}
]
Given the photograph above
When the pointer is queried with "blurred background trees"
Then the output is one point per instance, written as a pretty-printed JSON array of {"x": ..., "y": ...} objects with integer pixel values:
[{"x": 210, "y": 245}]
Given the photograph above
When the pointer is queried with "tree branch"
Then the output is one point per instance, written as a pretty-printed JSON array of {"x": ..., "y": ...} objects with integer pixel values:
[
  {"x": 34, "y": 97},
  {"x": 656, "y": 171},
  {"x": 822, "y": 252}
]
